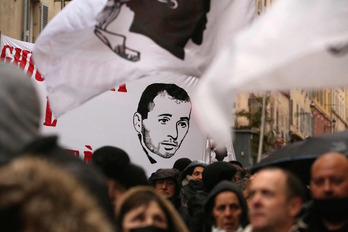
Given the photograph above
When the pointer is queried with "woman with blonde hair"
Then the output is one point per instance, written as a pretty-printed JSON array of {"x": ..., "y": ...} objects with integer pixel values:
[{"x": 143, "y": 209}]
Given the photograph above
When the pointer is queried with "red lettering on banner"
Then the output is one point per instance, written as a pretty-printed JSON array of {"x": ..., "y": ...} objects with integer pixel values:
[
  {"x": 121, "y": 88},
  {"x": 3, "y": 53},
  {"x": 88, "y": 154},
  {"x": 74, "y": 152},
  {"x": 21, "y": 58},
  {"x": 49, "y": 115}
]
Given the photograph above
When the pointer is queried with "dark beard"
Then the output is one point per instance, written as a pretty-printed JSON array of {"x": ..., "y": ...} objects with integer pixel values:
[{"x": 334, "y": 210}]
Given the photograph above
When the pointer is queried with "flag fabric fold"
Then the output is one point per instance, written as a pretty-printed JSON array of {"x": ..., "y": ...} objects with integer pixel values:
[
  {"x": 295, "y": 44},
  {"x": 94, "y": 45}
]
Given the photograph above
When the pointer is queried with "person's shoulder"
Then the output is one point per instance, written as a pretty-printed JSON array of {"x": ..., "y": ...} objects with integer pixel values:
[{"x": 248, "y": 228}]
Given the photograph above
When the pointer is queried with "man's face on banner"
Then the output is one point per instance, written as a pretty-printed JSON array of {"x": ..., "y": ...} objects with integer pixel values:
[{"x": 166, "y": 125}]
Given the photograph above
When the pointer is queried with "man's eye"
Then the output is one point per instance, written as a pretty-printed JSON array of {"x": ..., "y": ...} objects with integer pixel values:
[
  {"x": 318, "y": 182},
  {"x": 163, "y": 120},
  {"x": 337, "y": 181},
  {"x": 139, "y": 217},
  {"x": 183, "y": 124}
]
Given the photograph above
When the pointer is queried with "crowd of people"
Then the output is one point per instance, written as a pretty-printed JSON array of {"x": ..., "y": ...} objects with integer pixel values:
[{"x": 45, "y": 188}]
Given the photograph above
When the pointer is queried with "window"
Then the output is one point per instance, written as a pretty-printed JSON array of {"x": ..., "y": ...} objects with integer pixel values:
[
  {"x": 44, "y": 15},
  {"x": 26, "y": 22}
]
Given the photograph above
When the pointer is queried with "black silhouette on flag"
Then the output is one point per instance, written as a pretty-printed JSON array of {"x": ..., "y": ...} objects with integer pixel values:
[{"x": 169, "y": 23}]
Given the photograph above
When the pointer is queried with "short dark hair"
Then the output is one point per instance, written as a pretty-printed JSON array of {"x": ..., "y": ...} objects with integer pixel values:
[
  {"x": 155, "y": 89},
  {"x": 294, "y": 186}
]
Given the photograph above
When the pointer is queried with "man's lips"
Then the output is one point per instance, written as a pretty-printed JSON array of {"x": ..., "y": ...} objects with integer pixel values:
[
  {"x": 257, "y": 214},
  {"x": 228, "y": 225},
  {"x": 169, "y": 146}
]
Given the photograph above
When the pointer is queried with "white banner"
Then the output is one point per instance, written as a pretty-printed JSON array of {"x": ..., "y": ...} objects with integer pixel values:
[{"x": 157, "y": 140}]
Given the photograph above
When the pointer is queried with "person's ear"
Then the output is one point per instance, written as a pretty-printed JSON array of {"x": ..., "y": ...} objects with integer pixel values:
[
  {"x": 295, "y": 206},
  {"x": 137, "y": 122}
]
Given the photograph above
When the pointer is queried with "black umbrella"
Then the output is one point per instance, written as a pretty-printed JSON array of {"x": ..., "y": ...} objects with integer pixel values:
[{"x": 299, "y": 156}]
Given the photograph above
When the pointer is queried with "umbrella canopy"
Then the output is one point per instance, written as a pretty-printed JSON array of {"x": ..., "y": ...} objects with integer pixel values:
[{"x": 298, "y": 157}]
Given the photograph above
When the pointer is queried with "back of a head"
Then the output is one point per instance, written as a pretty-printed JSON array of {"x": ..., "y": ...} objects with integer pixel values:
[
  {"x": 115, "y": 164},
  {"x": 181, "y": 163},
  {"x": 37, "y": 195},
  {"x": 20, "y": 111},
  {"x": 108, "y": 158},
  {"x": 216, "y": 172}
]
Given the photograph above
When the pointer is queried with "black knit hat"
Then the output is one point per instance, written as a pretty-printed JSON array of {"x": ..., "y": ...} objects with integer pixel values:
[
  {"x": 108, "y": 158},
  {"x": 115, "y": 164},
  {"x": 216, "y": 172},
  {"x": 130, "y": 176},
  {"x": 181, "y": 163}
]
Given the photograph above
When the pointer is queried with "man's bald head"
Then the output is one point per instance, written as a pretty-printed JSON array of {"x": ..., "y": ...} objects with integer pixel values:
[{"x": 329, "y": 176}]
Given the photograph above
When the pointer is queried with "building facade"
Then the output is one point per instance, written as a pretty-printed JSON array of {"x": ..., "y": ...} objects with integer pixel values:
[{"x": 25, "y": 19}]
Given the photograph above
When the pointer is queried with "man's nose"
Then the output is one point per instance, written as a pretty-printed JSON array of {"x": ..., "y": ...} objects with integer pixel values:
[
  {"x": 164, "y": 185},
  {"x": 255, "y": 200},
  {"x": 149, "y": 221},
  {"x": 172, "y": 130},
  {"x": 327, "y": 187},
  {"x": 199, "y": 177},
  {"x": 228, "y": 211}
]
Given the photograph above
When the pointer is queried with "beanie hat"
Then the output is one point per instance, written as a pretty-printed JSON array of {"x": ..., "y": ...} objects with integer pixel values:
[
  {"x": 20, "y": 111},
  {"x": 216, "y": 172},
  {"x": 181, "y": 163},
  {"x": 109, "y": 159},
  {"x": 130, "y": 176},
  {"x": 115, "y": 164}
]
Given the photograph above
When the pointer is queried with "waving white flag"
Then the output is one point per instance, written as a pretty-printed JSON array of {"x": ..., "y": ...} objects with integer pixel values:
[
  {"x": 296, "y": 44},
  {"x": 94, "y": 45}
]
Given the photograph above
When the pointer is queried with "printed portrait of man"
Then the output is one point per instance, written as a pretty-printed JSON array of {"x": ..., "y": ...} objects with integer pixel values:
[{"x": 162, "y": 119}]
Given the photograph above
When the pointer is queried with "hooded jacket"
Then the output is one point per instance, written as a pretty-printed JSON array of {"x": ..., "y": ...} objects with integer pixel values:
[{"x": 222, "y": 187}]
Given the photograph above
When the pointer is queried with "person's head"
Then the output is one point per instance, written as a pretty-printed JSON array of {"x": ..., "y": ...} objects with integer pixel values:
[
  {"x": 226, "y": 207},
  {"x": 216, "y": 172},
  {"x": 162, "y": 119},
  {"x": 143, "y": 207},
  {"x": 166, "y": 182},
  {"x": 329, "y": 189},
  {"x": 329, "y": 176},
  {"x": 275, "y": 199},
  {"x": 121, "y": 174},
  {"x": 194, "y": 171},
  {"x": 38, "y": 195},
  {"x": 181, "y": 163},
  {"x": 20, "y": 112}
]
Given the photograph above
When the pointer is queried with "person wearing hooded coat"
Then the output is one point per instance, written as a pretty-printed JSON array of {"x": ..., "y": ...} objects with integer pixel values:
[
  {"x": 190, "y": 185},
  {"x": 237, "y": 216},
  {"x": 212, "y": 175},
  {"x": 20, "y": 135}
]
